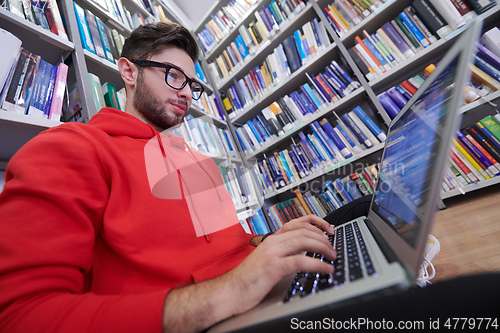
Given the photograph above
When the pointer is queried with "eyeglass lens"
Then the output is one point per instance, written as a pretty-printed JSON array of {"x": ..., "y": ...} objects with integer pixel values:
[{"x": 177, "y": 80}]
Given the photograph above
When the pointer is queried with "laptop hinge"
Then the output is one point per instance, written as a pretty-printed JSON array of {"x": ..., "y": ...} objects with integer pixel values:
[{"x": 386, "y": 249}]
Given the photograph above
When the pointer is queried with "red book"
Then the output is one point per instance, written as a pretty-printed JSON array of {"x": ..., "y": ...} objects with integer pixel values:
[
  {"x": 375, "y": 60},
  {"x": 279, "y": 214},
  {"x": 464, "y": 146},
  {"x": 327, "y": 10},
  {"x": 287, "y": 214},
  {"x": 325, "y": 86},
  {"x": 254, "y": 81},
  {"x": 368, "y": 179},
  {"x": 250, "y": 226},
  {"x": 294, "y": 211},
  {"x": 481, "y": 149},
  {"x": 410, "y": 88},
  {"x": 463, "y": 167}
]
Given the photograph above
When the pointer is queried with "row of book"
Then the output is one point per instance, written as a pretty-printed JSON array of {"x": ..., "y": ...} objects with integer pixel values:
[
  {"x": 116, "y": 10},
  {"x": 202, "y": 135},
  {"x": 286, "y": 58},
  {"x": 211, "y": 105},
  {"x": 323, "y": 147},
  {"x": 321, "y": 202},
  {"x": 253, "y": 222},
  {"x": 44, "y": 13},
  {"x": 485, "y": 76},
  {"x": 222, "y": 22},
  {"x": 30, "y": 85},
  {"x": 413, "y": 30},
  {"x": 321, "y": 90},
  {"x": 343, "y": 15},
  {"x": 97, "y": 37},
  {"x": 475, "y": 154},
  {"x": 238, "y": 182}
]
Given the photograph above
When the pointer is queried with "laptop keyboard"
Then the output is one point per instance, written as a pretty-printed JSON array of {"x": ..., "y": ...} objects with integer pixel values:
[{"x": 353, "y": 262}]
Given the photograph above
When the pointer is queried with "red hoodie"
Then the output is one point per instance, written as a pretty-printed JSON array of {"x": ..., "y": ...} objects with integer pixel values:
[{"x": 94, "y": 235}]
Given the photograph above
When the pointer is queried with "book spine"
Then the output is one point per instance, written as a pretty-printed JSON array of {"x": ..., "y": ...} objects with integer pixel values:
[
  {"x": 356, "y": 130},
  {"x": 398, "y": 40},
  {"x": 370, "y": 124}
]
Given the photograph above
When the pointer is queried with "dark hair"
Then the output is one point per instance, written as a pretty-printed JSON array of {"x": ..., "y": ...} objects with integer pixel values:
[{"x": 150, "y": 39}]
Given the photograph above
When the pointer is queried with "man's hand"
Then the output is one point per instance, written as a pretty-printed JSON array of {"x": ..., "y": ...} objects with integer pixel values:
[{"x": 199, "y": 306}]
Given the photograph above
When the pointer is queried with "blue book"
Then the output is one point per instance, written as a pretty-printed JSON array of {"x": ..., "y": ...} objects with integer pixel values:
[
  {"x": 356, "y": 131},
  {"x": 266, "y": 20},
  {"x": 35, "y": 96},
  {"x": 335, "y": 81},
  {"x": 397, "y": 40},
  {"x": 262, "y": 221},
  {"x": 199, "y": 73},
  {"x": 334, "y": 26},
  {"x": 276, "y": 172},
  {"x": 323, "y": 94},
  {"x": 240, "y": 45},
  {"x": 486, "y": 67},
  {"x": 308, "y": 162},
  {"x": 376, "y": 53},
  {"x": 286, "y": 167},
  {"x": 309, "y": 149},
  {"x": 403, "y": 92},
  {"x": 260, "y": 129},
  {"x": 307, "y": 89},
  {"x": 327, "y": 127},
  {"x": 292, "y": 54},
  {"x": 347, "y": 138},
  {"x": 389, "y": 105},
  {"x": 260, "y": 77},
  {"x": 334, "y": 91},
  {"x": 322, "y": 141},
  {"x": 329, "y": 142},
  {"x": 476, "y": 153},
  {"x": 297, "y": 163},
  {"x": 244, "y": 91},
  {"x": 104, "y": 39},
  {"x": 298, "y": 102},
  {"x": 306, "y": 100},
  {"x": 341, "y": 190},
  {"x": 488, "y": 134},
  {"x": 50, "y": 92},
  {"x": 254, "y": 131},
  {"x": 387, "y": 54},
  {"x": 369, "y": 123},
  {"x": 317, "y": 33},
  {"x": 397, "y": 97},
  {"x": 266, "y": 125},
  {"x": 265, "y": 177},
  {"x": 236, "y": 97},
  {"x": 314, "y": 144},
  {"x": 413, "y": 29},
  {"x": 305, "y": 47},
  {"x": 353, "y": 84},
  {"x": 283, "y": 59},
  {"x": 351, "y": 188},
  {"x": 272, "y": 14},
  {"x": 83, "y": 29},
  {"x": 239, "y": 135},
  {"x": 298, "y": 43},
  {"x": 302, "y": 160}
]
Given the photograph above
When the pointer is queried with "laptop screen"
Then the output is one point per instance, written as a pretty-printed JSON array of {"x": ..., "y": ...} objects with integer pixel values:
[{"x": 403, "y": 189}]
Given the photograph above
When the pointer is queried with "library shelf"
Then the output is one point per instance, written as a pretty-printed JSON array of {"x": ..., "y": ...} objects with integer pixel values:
[
  {"x": 273, "y": 93},
  {"x": 326, "y": 170},
  {"x": 304, "y": 124},
  {"x": 105, "y": 16},
  {"x": 471, "y": 187},
  {"x": 53, "y": 47}
]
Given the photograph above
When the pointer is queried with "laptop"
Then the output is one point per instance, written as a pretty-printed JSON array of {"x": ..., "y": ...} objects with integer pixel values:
[{"x": 383, "y": 251}]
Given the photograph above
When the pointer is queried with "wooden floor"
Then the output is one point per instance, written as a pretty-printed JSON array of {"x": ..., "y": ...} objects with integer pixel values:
[{"x": 469, "y": 234}]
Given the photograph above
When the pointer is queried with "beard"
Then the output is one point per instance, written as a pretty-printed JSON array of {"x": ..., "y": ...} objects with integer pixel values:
[{"x": 151, "y": 108}]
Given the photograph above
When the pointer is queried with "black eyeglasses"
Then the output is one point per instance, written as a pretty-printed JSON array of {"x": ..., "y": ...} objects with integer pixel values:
[{"x": 174, "y": 77}]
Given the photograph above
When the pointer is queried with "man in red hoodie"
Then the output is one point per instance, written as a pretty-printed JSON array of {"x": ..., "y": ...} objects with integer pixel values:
[{"x": 117, "y": 225}]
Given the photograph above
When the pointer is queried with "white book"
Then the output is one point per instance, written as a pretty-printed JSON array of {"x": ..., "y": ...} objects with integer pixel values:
[
  {"x": 389, "y": 45},
  {"x": 491, "y": 40},
  {"x": 449, "y": 13},
  {"x": 389, "y": 63},
  {"x": 8, "y": 57},
  {"x": 284, "y": 60},
  {"x": 293, "y": 107},
  {"x": 308, "y": 32},
  {"x": 324, "y": 34},
  {"x": 256, "y": 143},
  {"x": 373, "y": 139},
  {"x": 368, "y": 59}
]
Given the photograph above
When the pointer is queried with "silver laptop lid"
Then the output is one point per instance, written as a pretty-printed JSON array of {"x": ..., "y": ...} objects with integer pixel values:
[{"x": 415, "y": 154}]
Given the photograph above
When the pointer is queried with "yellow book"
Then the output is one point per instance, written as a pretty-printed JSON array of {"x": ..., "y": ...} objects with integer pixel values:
[
  {"x": 484, "y": 78},
  {"x": 291, "y": 165},
  {"x": 470, "y": 159},
  {"x": 222, "y": 66},
  {"x": 266, "y": 75},
  {"x": 302, "y": 202},
  {"x": 252, "y": 34},
  {"x": 338, "y": 17},
  {"x": 207, "y": 109}
]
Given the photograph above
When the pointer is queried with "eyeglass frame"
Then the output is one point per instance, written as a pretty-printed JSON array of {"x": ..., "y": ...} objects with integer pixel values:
[{"x": 150, "y": 63}]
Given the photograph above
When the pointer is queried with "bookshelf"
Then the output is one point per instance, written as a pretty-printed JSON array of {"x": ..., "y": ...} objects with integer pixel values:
[{"x": 365, "y": 96}]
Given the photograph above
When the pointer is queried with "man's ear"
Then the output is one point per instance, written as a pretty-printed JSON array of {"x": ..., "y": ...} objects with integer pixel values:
[{"x": 128, "y": 71}]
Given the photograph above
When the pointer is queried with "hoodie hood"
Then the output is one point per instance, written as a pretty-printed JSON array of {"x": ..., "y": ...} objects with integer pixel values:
[{"x": 119, "y": 123}]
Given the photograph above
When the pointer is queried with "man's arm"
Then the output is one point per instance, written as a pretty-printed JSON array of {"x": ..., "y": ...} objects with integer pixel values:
[{"x": 201, "y": 305}]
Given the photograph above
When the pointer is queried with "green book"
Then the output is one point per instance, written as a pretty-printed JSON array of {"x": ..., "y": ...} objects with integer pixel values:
[
  {"x": 407, "y": 33},
  {"x": 480, "y": 6},
  {"x": 118, "y": 42},
  {"x": 368, "y": 187},
  {"x": 491, "y": 125},
  {"x": 95, "y": 85},
  {"x": 110, "y": 98}
]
